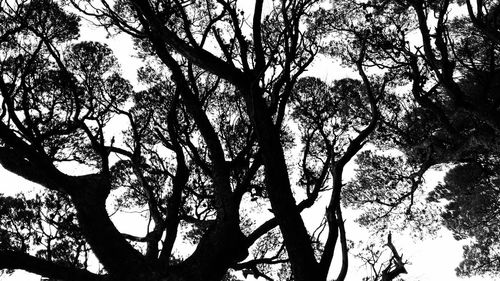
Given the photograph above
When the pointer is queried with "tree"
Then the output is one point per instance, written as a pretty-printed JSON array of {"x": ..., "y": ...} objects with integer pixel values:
[
  {"x": 206, "y": 138},
  {"x": 380, "y": 269},
  {"x": 446, "y": 113},
  {"x": 205, "y": 144},
  {"x": 471, "y": 190}
]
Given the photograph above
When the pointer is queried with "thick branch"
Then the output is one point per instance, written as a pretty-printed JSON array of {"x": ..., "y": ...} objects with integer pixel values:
[
  {"x": 257, "y": 36},
  {"x": 399, "y": 265},
  {"x": 292, "y": 227},
  {"x": 107, "y": 243},
  {"x": 343, "y": 244},
  {"x": 16, "y": 260},
  {"x": 179, "y": 181},
  {"x": 198, "y": 56}
]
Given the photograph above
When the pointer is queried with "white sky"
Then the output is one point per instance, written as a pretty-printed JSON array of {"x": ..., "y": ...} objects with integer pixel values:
[{"x": 433, "y": 259}]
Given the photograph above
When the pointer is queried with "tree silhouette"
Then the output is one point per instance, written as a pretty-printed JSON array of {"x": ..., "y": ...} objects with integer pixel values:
[
  {"x": 207, "y": 137},
  {"x": 447, "y": 114},
  {"x": 225, "y": 123}
]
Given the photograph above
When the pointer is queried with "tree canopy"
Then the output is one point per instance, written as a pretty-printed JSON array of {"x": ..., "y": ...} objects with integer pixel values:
[{"x": 227, "y": 140}]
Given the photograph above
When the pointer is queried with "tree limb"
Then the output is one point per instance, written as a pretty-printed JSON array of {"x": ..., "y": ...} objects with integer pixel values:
[{"x": 16, "y": 260}]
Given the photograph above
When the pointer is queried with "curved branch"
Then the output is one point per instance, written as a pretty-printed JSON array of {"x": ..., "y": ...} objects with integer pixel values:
[
  {"x": 198, "y": 56},
  {"x": 179, "y": 182},
  {"x": 107, "y": 243},
  {"x": 22, "y": 159},
  {"x": 357, "y": 143}
]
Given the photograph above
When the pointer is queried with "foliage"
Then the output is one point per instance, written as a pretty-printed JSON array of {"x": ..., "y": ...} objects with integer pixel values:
[
  {"x": 209, "y": 140},
  {"x": 209, "y": 129},
  {"x": 447, "y": 112},
  {"x": 471, "y": 190},
  {"x": 45, "y": 225},
  {"x": 386, "y": 189}
]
